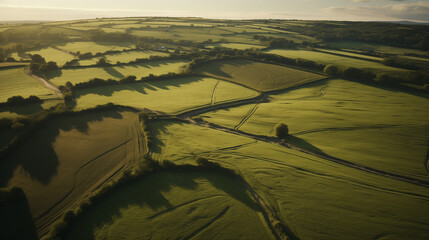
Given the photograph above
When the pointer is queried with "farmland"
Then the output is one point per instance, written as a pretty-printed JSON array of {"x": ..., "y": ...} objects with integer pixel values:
[
  {"x": 78, "y": 75},
  {"x": 193, "y": 128},
  {"x": 259, "y": 76}
]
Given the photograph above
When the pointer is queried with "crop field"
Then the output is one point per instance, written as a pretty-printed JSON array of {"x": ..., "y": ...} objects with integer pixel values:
[
  {"x": 298, "y": 185},
  {"x": 326, "y": 58},
  {"x": 14, "y": 82},
  {"x": 94, "y": 47},
  {"x": 165, "y": 206},
  {"x": 78, "y": 75},
  {"x": 51, "y": 54},
  {"x": 172, "y": 96},
  {"x": 74, "y": 155},
  {"x": 259, "y": 76},
  {"x": 123, "y": 57},
  {"x": 394, "y": 125}
]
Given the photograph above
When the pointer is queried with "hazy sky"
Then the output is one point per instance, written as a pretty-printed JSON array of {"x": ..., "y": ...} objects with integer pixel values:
[{"x": 413, "y": 10}]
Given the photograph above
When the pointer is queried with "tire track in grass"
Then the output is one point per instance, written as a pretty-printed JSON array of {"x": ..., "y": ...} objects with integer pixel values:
[
  {"x": 207, "y": 225},
  {"x": 248, "y": 115},
  {"x": 213, "y": 99}
]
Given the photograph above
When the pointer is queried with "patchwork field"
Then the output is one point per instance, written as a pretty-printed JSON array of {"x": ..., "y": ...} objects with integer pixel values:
[
  {"x": 94, "y": 47},
  {"x": 123, "y": 57},
  {"x": 172, "y": 96},
  {"x": 258, "y": 76},
  {"x": 371, "y": 58},
  {"x": 240, "y": 46},
  {"x": 14, "y": 82},
  {"x": 326, "y": 58},
  {"x": 51, "y": 54},
  {"x": 78, "y": 75},
  {"x": 166, "y": 206},
  {"x": 374, "y": 127},
  {"x": 362, "y": 46},
  {"x": 69, "y": 157}
]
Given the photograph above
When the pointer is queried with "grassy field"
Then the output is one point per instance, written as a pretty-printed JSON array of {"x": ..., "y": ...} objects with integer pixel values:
[
  {"x": 27, "y": 109},
  {"x": 175, "y": 206},
  {"x": 14, "y": 82},
  {"x": 51, "y": 54},
  {"x": 326, "y": 58},
  {"x": 239, "y": 46},
  {"x": 373, "y": 47},
  {"x": 69, "y": 157},
  {"x": 379, "y": 128},
  {"x": 342, "y": 202},
  {"x": 10, "y": 64},
  {"x": 259, "y": 76},
  {"x": 351, "y": 54},
  {"x": 123, "y": 57},
  {"x": 77, "y": 75},
  {"x": 94, "y": 47},
  {"x": 172, "y": 96}
]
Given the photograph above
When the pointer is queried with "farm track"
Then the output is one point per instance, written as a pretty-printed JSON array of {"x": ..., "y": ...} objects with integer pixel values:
[
  {"x": 248, "y": 115},
  {"x": 44, "y": 83},
  {"x": 213, "y": 98}
]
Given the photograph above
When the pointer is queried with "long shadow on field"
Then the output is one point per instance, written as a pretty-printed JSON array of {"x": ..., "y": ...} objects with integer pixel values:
[
  {"x": 299, "y": 142},
  {"x": 216, "y": 67},
  {"x": 150, "y": 195},
  {"x": 140, "y": 87},
  {"x": 54, "y": 73},
  {"x": 26, "y": 109},
  {"x": 113, "y": 72},
  {"x": 36, "y": 156},
  {"x": 16, "y": 221}
]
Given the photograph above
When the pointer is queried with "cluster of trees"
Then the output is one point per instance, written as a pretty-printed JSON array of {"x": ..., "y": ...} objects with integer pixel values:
[
  {"x": 401, "y": 63},
  {"x": 40, "y": 67},
  {"x": 19, "y": 100},
  {"x": 273, "y": 42}
]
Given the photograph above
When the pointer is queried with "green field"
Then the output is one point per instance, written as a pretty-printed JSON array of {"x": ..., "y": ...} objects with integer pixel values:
[
  {"x": 175, "y": 206},
  {"x": 51, "y": 54},
  {"x": 27, "y": 109},
  {"x": 123, "y": 57},
  {"x": 379, "y": 128},
  {"x": 172, "y": 96},
  {"x": 326, "y": 58},
  {"x": 239, "y": 46},
  {"x": 69, "y": 157},
  {"x": 371, "y": 58},
  {"x": 78, "y": 75},
  {"x": 14, "y": 82},
  {"x": 362, "y": 46},
  {"x": 342, "y": 202},
  {"x": 94, "y": 47},
  {"x": 259, "y": 76}
]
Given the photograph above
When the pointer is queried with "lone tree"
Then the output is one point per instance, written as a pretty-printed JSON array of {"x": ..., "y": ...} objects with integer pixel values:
[{"x": 282, "y": 130}]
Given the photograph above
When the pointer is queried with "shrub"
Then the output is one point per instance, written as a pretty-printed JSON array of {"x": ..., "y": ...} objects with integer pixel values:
[
  {"x": 331, "y": 69},
  {"x": 282, "y": 130}
]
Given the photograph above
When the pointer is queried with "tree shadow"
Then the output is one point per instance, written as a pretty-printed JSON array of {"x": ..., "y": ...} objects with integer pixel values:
[
  {"x": 36, "y": 155},
  {"x": 113, "y": 72},
  {"x": 299, "y": 142},
  {"x": 54, "y": 74},
  {"x": 16, "y": 221},
  {"x": 150, "y": 192},
  {"x": 215, "y": 68},
  {"x": 26, "y": 109}
]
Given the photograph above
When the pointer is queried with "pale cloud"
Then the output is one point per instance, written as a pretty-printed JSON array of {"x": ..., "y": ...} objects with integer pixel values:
[{"x": 418, "y": 11}]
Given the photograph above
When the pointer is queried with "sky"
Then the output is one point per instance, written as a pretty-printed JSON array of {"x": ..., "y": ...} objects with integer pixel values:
[{"x": 352, "y": 10}]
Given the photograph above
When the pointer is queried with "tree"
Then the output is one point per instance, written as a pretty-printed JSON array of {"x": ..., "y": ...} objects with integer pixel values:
[
  {"x": 36, "y": 58},
  {"x": 331, "y": 69},
  {"x": 102, "y": 61},
  {"x": 282, "y": 130}
]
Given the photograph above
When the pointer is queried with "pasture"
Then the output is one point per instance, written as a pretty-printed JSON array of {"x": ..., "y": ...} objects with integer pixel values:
[
  {"x": 374, "y": 127},
  {"x": 94, "y": 47},
  {"x": 259, "y": 76},
  {"x": 78, "y": 75},
  {"x": 51, "y": 54},
  {"x": 239, "y": 46},
  {"x": 340, "y": 200},
  {"x": 166, "y": 205},
  {"x": 15, "y": 82},
  {"x": 123, "y": 57},
  {"x": 69, "y": 157},
  {"x": 326, "y": 58},
  {"x": 172, "y": 96},
  {"x": 363, "y": 46}
]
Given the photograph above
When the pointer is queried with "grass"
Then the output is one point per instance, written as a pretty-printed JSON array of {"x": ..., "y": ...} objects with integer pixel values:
[
  {"x": 51, "y": 54},
  {"x": 326, "y": 58},
  {"x": 351, "y": 54},
  {"x": 27, "y": 109},
  {"x": 94, "y": 47},
  {"x": 259, "y": 76},
  {"x": 175, "y": 206},
  {"x": 123, "y": 57},
  {"x": 172, "y": 96},
  {"x": 374, "y": 47},
  {"x": 379, "y": 128},
  {"x": 341, "y": 201},
  {"x": 77, "y": 75},
  {"x": 10, "y": 64},
  {"x": 14, "y": 82},
  {"x": 69, "y": 157},
  {"x": 240, "y": 46}
]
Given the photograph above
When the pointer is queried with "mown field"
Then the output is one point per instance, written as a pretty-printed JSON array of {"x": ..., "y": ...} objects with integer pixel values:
[
  {"x": 316, "y": 198},
  {"x": 172, "y": 96},
  {"x": 78, "y": 75},
  {"x": 175, "y": 206},
  {"x": 69, "y": 157},
  {"x": 258, "y": 76},
  {"x": 15, "y": 82},
  {"x": 123, "y": 57},
  {"x": 327, "y": 58},
  {"x": 371, "y": 126}
]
